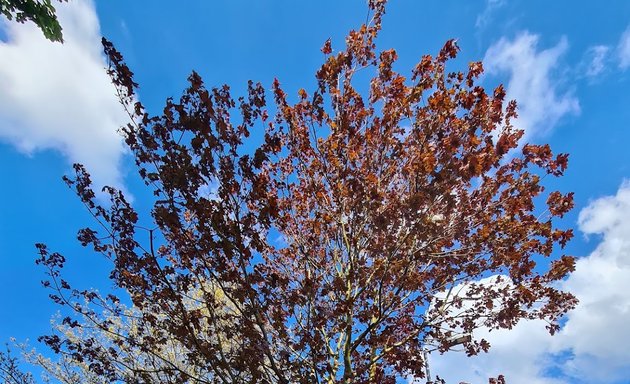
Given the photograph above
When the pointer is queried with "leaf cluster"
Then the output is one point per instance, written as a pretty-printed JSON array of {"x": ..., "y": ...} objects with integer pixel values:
[{"x": 40, "y": 12}]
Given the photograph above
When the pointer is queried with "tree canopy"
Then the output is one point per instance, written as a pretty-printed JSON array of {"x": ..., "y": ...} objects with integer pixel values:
[
  {"x": 334, "y": 237},
  {"x": 40, "y": 12}
]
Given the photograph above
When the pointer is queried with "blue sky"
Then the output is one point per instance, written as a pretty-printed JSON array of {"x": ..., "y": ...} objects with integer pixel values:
[{"x": 566, "y": 62}]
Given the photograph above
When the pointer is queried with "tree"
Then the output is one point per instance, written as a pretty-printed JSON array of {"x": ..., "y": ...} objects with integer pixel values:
[
  {"x": 133, "y": 363},
  {"x": 41, "y": 12},
  {"x": 348, "y": 234},
  {"x": 10, "y": 372}
]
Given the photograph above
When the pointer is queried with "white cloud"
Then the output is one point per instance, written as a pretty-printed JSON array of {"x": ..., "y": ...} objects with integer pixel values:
[
  {"x": 595, "y": 60},
  {"x": 484, "y": 18},
  {"x": 58, "y": 96},
  {"x": 516, "y": 353},
  {"x": 533, "y": 81},
  {"x": 520, "y": 354},
  {"x": 623, "y": 49},
  {"x": 597, "y": 331},
  {"x": 592, "y": 346}
]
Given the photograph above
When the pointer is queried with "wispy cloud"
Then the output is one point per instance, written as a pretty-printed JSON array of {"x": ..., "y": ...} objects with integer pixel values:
[
  {"x": 623, "y": 49},
  {"x": 595, "y": 60},
  {"x": 599, "y": 59},
  {"x": 484, "y": 18},
  {"x": 534, "y": 80},
  {"x": 592, "y": 345},
  {"x": 58, "y": 96}
]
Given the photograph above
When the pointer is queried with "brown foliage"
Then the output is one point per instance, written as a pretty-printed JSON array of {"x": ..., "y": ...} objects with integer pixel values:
[{"x": 346, "y": 242}]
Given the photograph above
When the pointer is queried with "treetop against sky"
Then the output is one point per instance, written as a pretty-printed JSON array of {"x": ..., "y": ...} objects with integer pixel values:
[{"x": 57, "y": 107}]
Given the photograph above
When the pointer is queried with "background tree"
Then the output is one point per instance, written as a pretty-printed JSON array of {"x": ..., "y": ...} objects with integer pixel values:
[
  {"x": 347, "y": 235},
  {"x": 10, "y": 372},
  {"x": 40, "y": 12},
  {"x": 132, "y": 363}
]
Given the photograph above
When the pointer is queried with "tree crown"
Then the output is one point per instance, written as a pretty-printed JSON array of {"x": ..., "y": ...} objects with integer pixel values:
[{"x": 362, "y": 230}]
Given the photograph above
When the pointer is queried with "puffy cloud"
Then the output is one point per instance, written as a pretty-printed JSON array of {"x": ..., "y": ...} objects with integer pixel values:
[
  {"x": 532, "y": 81},
  {"x": 58, "y": 96},
  {"x": 623, "y": 49},
  {"x": 592, "y": 345},
  {"x": 597, "y": 331},
  {"x": 520, "y": 353}
]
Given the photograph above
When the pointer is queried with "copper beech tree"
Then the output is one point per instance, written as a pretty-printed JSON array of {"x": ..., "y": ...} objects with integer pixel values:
[{"x": 345, "y": 232}]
